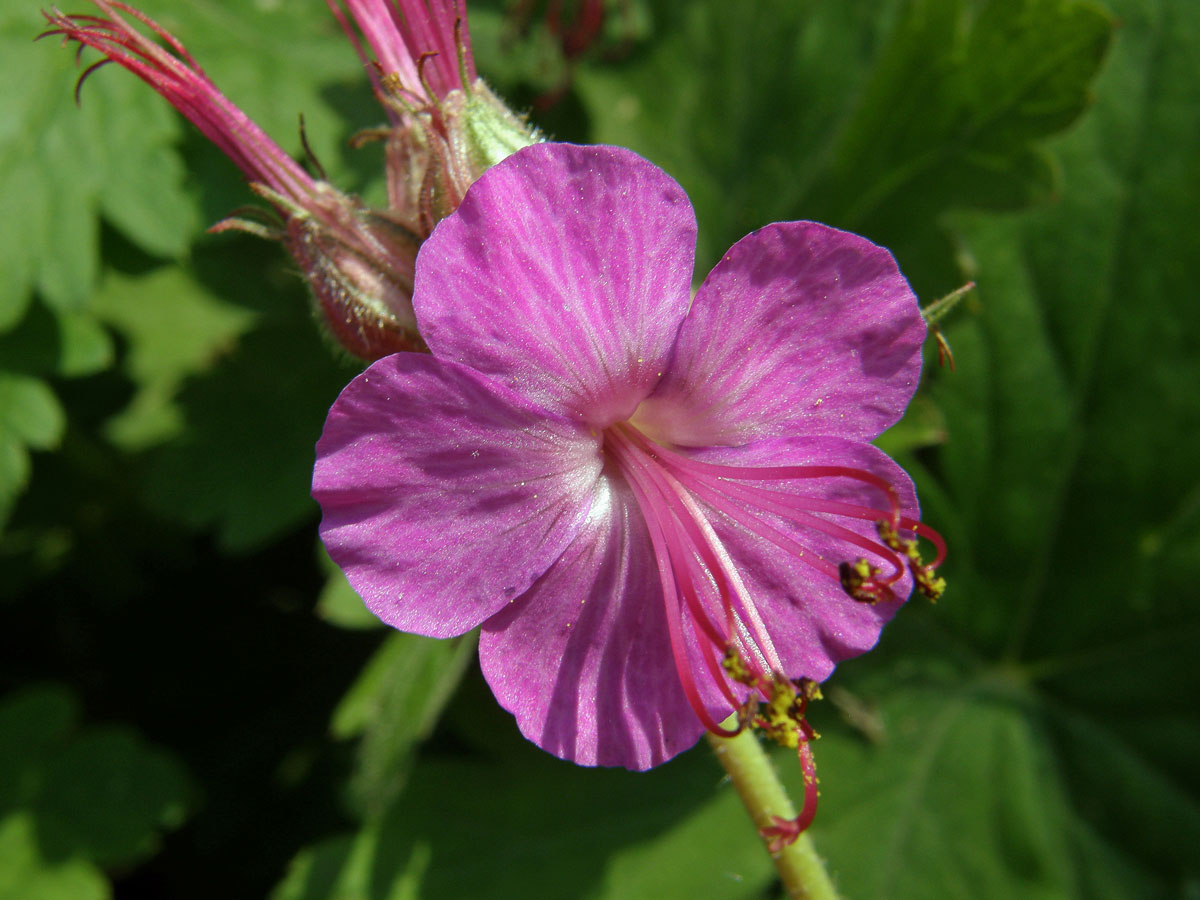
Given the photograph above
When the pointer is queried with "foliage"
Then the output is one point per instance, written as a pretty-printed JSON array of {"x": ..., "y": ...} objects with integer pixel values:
[{"x": 161, "y": 390}]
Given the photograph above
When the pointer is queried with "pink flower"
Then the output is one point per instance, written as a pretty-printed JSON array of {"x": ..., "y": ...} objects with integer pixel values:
[{"x": 653, "y": 506}]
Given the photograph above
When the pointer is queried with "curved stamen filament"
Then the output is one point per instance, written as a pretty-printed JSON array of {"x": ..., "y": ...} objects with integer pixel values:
[
  {"x": 708, "y": 607},
  {"x": 717, "y": 559},
  {"x": 939, "y": 542},
  {"x": 650, "y": 499},
  {"x": 774, "y": 473},
  {"x": 725, "y": 487},
  {"x": 767, "y": 500},
  {"x": 785, "y": 831},
  {"x": 743, "y": 621}
]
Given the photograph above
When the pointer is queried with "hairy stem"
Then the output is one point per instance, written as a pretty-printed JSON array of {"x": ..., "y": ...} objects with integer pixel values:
[{"x": 800, "y": 869}]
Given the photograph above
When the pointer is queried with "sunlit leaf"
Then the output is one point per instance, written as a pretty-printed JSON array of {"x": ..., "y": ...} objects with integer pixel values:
[
  {"x": 25, "y": 874},
  {"x": 30, "y": 418}
]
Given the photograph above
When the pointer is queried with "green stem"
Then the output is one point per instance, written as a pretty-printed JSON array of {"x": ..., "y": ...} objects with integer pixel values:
[{"x": 800, "y": 869}]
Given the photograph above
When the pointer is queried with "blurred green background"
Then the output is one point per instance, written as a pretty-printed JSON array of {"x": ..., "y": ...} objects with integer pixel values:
[{"x": 195, "y": 704}]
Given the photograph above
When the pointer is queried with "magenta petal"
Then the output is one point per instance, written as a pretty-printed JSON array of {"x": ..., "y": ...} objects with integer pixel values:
[
  {"x": 813, "y": 623},
  {"x": 800, "y": 329},
  {"x": 564, "y": 274},
  {"x": 583, "y": 660},
  {"x": 445, "y": 496}
]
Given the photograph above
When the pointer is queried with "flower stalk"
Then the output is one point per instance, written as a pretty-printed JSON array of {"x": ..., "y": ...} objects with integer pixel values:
[{"x": 754, "y": 777}]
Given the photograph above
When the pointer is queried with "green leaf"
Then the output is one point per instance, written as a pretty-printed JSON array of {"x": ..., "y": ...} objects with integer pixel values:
[
  {"x": 961, "y": 799},
  {"x": 25, "y": 874},
  {"x": 71, "y": 799},
  {"x": 30, "y": 418},
  {"x": 955, "y": 101},
  {"x": 108, "y": 794},
  {"x": 394, "y": 705},
  {"x": 348, "y": 868},
  {"x": 243, "y": 463},
  {"x": 876, "y": 117},
  {"x": 712, "y": 852},
  {"x": 503, "y": 828},
  {"x": 29, "y": 412},
  {"x": 54, "y": 342},
  {"x": 1040, "y": 732},
  {"x": 57, "y": 164},
  {"x": 32, "y": 721},
  {"x": 175, "y": 328}
]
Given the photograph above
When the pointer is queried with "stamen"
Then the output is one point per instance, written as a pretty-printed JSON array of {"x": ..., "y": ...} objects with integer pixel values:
[
  {"x": 719, "y": 556},
  {"x": 699, "y": 578},
  {"x": 774, "y": 473},
  {"x": 742, "y": 618},
  {"x": 927, "y": 583},
  {"x": 786, "y": 831},
  {"x": 783, "y": 719},
  {"x": 861, "y": 580},
  {"x": 656, "y": 513},
  {"x": 793, "y": 509}
]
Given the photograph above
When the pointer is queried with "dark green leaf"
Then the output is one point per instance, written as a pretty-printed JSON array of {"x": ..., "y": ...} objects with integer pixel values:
[
  {"x": 69, "y": 800},
  {"x": 1041, "y": 733},
  {"x": 243, "y": 463},
  {"x": 537, "y": 826},
  {"x": 956, "y": 97},
  {"x": 394, "y": 705},
  {"x": 107, "y": 795},
  {"x": 933, "y": 116}
]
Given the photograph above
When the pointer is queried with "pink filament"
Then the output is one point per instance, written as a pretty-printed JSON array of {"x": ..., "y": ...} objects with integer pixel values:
[
  {"x": 785, "y": 831},
  {"x": 658, "y": 517},
  {"x": 697, "y": 577}
]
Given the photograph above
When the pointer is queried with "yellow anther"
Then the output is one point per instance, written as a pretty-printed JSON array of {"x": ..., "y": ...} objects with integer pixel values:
[
  {"x": 738, "y": 670},
  {"x": 856, "y": 581},
  {"x": 929, "y": 584},
  {"x": 781, "y": 716}
]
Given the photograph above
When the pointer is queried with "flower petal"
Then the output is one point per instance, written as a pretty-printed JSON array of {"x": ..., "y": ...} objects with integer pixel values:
[
  {"x": 564, "y": 274},
  {"x": 445, "y": 496},
  {"x": 800, "y": 329},
  {"x": 583, "y": 660},
  {"x": 812, "y": 621}
]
